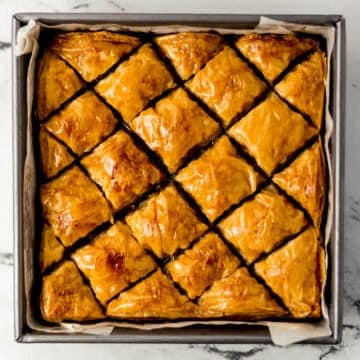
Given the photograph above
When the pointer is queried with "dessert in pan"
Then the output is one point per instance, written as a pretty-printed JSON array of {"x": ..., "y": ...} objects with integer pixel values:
[{"x": 182, "y": 176}]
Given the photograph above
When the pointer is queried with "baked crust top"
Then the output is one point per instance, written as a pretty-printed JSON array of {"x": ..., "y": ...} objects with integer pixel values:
[
  {"x": 55, "y": 82},
  {"x": 64, "y": 296},
  {"x": 123, "y": 171},
  {"x": 54, "y": 155},
  {"x": 174, "y": 127},
  {"x": 189, "y": 51},
  {"x": 295, "y": 273},
  {"x": 73, "y": 205},
  {"x": 272, "y": 132},
  {"x": 272, "y": 54},
  {"x": 227, "y": 85},
  {"x": 135, "y": 82},
  {"x": 209, "y": 260},
  {"x": 51, "y": 250},
  {"x": 155, "y": 297},
  {"x": 219, "y": 178},
  {"x": 182, "y": 176},
  {"x": 239, "y": 294},
  {"x": 112, "y": 261},
  {"x": 304, "y": 180},
  {"x": 165, "y": 223},
  {"x": 93, "y": 53},
  {"x": 83, "y": 123},
  {"x": 262, "y": 223},
  {"x": 304, "y": 87}
]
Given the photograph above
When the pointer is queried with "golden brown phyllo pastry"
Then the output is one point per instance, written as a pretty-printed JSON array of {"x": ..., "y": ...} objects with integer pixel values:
[
  {"x": 219, "y": 178},
  {"x": 227, "y": 85},
  {"x": 56, "y": 82},
  {"x": 112, "y": 261},
  {"x": 182, "y": 176}
]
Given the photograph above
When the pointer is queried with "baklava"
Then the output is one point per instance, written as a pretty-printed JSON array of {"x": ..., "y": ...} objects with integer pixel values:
[{"x": 182, "y": 176}]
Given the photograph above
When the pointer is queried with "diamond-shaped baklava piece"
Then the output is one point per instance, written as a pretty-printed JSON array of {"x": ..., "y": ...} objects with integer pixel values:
[
  {"x": 165, "y": 223},
  {"x": 83, "y": 123},
  {"x": 135, "y": 82},
  {"x": 54, "y": 155},
  {"x": 227, "y": 85},
  {"x": 112, "y": 261},
  {"x": 56, "y": 82},
  {"x": 174, "y": 127},
  {"x": 51, "y": 250},
  {"x": 219, "y": 178},
  {"x": 65, "y": 296},
  {"x": 273, "y": 53},
  {"x": 189, "y": 51},
  {"x": 73, "y": 205},
  {"x": 92, "y": 53},
  {"x": 304, "y": 87},
  {"x": 154, "y": 297},
  {"x": 196, "y": 269},
  {"x": 263, "y": 222},
  {"x": 123, "y": 171},
  {"x": 295, "y": 272},
  {"x": 271, "y": 132},
  {"x": 304, "y": 180},
  {"x": 239, "y": 295}
]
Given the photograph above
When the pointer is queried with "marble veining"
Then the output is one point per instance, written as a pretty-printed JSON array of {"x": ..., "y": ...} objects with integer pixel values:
[
  {"x": 6, "y": 259},
  {"x": 116, "y": 4},
  {"x": 4, "y": 45},
  {"x": 231, "y": 354},
  {"x": 355, "y": 209},
  {"x": 80, "y": 6}
]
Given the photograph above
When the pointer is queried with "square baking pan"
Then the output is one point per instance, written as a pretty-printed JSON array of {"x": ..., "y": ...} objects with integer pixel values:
[{"x": 203, "y": 333}]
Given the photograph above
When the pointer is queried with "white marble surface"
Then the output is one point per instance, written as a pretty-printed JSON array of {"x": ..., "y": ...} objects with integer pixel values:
[{"x": 350, "y": 348}]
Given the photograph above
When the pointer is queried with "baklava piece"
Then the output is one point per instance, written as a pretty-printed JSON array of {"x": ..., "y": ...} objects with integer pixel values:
[
  {"x": 55, "y": 83},
  {"x": 123, "y": 171},
  {"x": 135, "y": 82},
  {"x": 304, "y": 87},
  {"x": 262, "y": 223},
  {"x": 174, "y": 127},
  {"x": 112, "y": 261},
  {"x": 295, "y": 273},
  {"x": 189, "y": 51},
  {"x": 155, "y": 297},
  {"x": 304, "y": 180},
  {"x": 227, "y": 85},
  {"x": 272, "y": 54},
  {"x": 51, "y": 250},
  {"x": 165, "y": 223},
  {"x": 73, "y": 205},
  {"x": 93, "y": 53},
  {"x": 83, "y": 123},
  {"x": 65, "y": 296},
  {"x": 219, "y": 178},
  {"x": 271, "y": 132},
  {"x": 239, "y": 295},
  {"x": 54, "y": 155},
  {"x": 196, "y": 269}
]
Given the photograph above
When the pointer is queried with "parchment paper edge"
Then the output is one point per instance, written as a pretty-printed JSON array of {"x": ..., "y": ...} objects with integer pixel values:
[{"x": 282, "y": 333}]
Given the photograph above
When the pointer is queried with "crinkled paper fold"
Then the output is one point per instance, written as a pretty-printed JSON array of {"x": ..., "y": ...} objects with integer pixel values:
[{"x": 282, "y": 333}]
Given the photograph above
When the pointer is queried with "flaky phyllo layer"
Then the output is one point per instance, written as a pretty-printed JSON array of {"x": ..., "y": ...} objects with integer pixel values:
[{"x": 182, "y": 176}]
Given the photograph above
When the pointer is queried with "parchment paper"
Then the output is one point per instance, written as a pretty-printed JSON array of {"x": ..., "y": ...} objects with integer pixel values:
[{"x": 282, "y": 333}]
